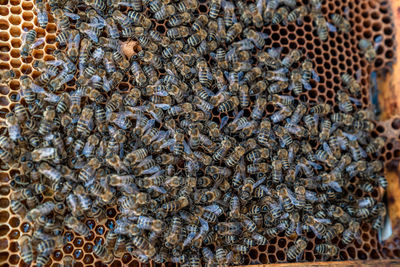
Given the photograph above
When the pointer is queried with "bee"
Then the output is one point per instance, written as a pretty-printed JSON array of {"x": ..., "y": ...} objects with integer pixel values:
[
  {"x": 215, "y": 6},
  {"x": 175, "y": 205},
  {"x": 296, "y": 251},
  {"x": 121, "y": 60},
  {"x": 293, "y": 57},
  {"x": 298, "y": 14},
  {"x": 229, "y": 104},
  {"x": 61, "y": 19},
  {"x": 280, "y": 15},
  {"x": 233, "y": 32},
  {"x": 376, "y": 145},
  {"x": 42, "y": 258},
  {"x": 317, "y": 227},
  {"x": 236, "y": 155},
  {"x": 29, "y": 43},
  {"x": 77, "y": 226},
  {"x": 367, "y": 49},
  {"x": 6, "y": 76},
  {"x": 323, "y": 27},
  {"x": 351, "y": 84},
  {"x": 25, "y": 247},
  {"x": 327, "y": 250},
  {"x": 178, "y": 32},
  {"x": 103, "y": 253},
  {"x": 256, "y": 15},
  {"x": 341, "y": 23}
]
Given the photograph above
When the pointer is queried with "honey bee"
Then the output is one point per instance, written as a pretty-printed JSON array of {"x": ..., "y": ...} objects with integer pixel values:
[
  {"x": 30, "y": 42},
  {"x": 341, "y": 23},
  {"x": 367, "y": 49},
  {"x": 26, "y": 250},
  {"x": 103, "y": 253},
  {"x": 296, "y": 251},
  {"x": 351, "y": 84},
  {"x": 6, "y": 76},
  {"x": 233, "y": 32},
  {"x": 327, "y": 250},
  {"x": 298, "y": 14}
]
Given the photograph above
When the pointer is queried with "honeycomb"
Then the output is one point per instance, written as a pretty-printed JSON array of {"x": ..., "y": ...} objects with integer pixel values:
[{"x": 369, "y": 18}]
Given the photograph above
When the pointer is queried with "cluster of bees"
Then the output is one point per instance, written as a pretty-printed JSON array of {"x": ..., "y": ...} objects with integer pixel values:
[{"x": 190, "y": 189}]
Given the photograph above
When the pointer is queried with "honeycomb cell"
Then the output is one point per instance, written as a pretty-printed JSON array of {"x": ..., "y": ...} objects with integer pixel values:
[
  {"x": 88, "y": 259},
  {"x": 14, "y": 19},
  {"x": 4, "y": 229},
  {"x": 78, "y": 242},
  {"x": 4, "y": 36},
  {"x": 78, "y": 254}
]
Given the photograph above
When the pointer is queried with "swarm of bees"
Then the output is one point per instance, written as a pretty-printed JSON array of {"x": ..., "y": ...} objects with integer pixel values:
[{"x": 191, "y": 188}]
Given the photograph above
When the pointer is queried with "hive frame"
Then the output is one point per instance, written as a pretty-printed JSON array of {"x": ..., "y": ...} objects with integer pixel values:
[{"x": 370, "y": 18}]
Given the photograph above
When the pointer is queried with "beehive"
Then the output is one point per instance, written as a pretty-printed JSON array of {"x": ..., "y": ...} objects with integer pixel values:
[{"x": 338, "y": 54}]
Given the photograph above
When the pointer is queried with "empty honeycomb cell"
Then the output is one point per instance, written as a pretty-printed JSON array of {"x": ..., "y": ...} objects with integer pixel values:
[
  {"x": 57, "y": 255},
  {"x": 13, "y": 247},
  {"x": 78, "y": 242},
  {"x": 49, "y": 49},
  {"x": 4, "y": 229},
  {"x": 4, "y": 202},
  {"x": 68, "y": 248},
  {"x": 37, "y": 54},
  {"x": 14, "y": 85},
  {"x": 14, "y": 234},
  {"x": 88, "y": 247},
  {"x": 3, "y": 243},
  {"x": 88, "y": 259}
]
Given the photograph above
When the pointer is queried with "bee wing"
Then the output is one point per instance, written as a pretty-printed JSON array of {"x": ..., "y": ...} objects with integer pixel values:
[
  {"x": 326, "y": 148},
  {"x": 151, "y": 170},
  {"x": 50, "y": 97},
  {"x": 224, "y": 121},
  {"x": 216, "y": 209},
  {"x": 351, "y": 137},
  {"x": 314, "y": 165},
  {"x": 306, "y": 84},
  {"x": 159, "y": 189},
  {"x": 229, "y": 55},
  {"x": 238, "y": 116},
  {"x": 335, "y": 186},
  {"x": 92, "y": 35},
  {"x": 363, "y": 153},
  {"x": 259, "y": 182},
  {"x": 76, "y": 40},
  {"x": 331, "y": 28},
  {"x": 163, "y": 106},
  {"x": 37, "y": 43},
  {"x": 186, "y": 148},
  {"x": 260, "y": 6},
  {"x": 72, "y": 16},
  {"x": 315, "y": 76},
  {"x": 355, "y": 101},
  {"x": 168, "y": 143},
  {"x": 275, "y": 52},
  {"x": 311, "y": 196},
  {"x": 204, "y": 228},
  {"x": 378, "y": 41},
  {"x": 55, "y": 62}
]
